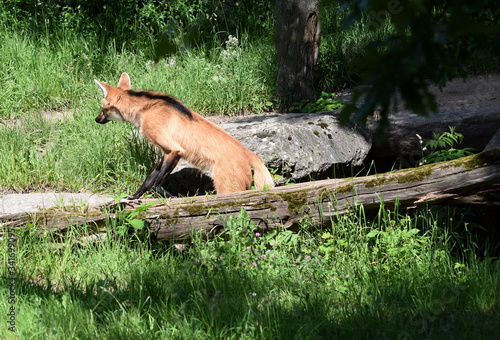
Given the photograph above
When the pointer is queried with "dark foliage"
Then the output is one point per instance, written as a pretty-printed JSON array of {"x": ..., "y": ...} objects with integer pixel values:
[
  {"x": 434, "y": 42},
  {"x": 141, "y": 24}
]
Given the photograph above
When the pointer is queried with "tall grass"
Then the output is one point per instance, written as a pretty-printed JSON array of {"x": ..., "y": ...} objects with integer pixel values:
[
  {"x": 48, "y": 63},
  {"x": 391, "y": 276},
  {"x": 39, "y": 77},
  {"x": 47, "y": 77}
]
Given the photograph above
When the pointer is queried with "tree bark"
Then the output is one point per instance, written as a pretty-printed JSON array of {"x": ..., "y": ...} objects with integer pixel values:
[
  {"x": 473, "y": 180},
  {"x": 298, "y": 40}
]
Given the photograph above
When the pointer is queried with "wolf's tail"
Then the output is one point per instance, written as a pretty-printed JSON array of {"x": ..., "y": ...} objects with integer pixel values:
[{"x": 261, "y": 176}]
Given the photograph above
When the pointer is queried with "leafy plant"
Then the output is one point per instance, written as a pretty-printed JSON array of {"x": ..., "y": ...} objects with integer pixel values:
[
  {"x": 130, "y": 219},
  {"x": 442, "y": 147},
  {"x": 392, "y": 274},
  {"x": 325, "y": 103}
]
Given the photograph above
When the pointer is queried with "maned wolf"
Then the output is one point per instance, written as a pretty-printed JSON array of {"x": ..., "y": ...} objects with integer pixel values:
[{"x": 182, "y": 133}]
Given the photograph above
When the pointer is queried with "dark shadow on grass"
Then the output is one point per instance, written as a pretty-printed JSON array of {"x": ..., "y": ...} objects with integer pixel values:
[{"x": 222, "y": 302}]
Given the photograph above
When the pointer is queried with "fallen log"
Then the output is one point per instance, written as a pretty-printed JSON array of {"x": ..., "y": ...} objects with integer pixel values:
[{"x": 473, "y": 180}]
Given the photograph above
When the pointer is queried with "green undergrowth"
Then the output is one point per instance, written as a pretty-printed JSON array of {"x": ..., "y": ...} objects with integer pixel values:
[
  {"x": 49, "y": 103},
  {"x": 51, "y": 53},
  {"x": 51, "y": 66},
  {"x": 326, "y": 102},
  {"x": 37, "y": 76},
  {"x": 443, "y": 147},
  {"x": 388, "y": 276},
  {"x": 49, "y": 153}
]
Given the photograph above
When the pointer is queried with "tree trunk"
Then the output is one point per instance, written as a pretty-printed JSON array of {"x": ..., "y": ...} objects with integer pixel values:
[
  {"x": 298, "y": 39},
  {"x": 473, "y": 180}
]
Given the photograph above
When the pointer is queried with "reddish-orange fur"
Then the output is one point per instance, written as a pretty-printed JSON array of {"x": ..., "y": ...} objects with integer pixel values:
[{"x": 182, "y": 133}]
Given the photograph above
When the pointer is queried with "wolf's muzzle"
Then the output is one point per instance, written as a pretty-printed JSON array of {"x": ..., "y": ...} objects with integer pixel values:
[{"x": 101, "y": 119}]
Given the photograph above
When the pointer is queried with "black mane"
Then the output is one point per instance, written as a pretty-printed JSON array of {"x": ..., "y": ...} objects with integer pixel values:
[{"x": 165, "y": 97}]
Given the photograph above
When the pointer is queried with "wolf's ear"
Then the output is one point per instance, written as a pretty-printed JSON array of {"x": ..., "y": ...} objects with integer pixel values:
[
  {"x": 102, "y": 86},
  {"x": 124, "y": 82}
]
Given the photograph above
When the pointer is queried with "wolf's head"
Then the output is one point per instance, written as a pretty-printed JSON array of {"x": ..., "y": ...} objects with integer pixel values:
[{"x": 110, "y": 98}]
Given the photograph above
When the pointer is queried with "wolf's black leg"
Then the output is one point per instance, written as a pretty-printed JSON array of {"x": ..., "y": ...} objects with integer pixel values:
[
  {"x": 169, "y": 165},
  {"x": 148, "y": 183},
  {"x": 157, "y": 176}
]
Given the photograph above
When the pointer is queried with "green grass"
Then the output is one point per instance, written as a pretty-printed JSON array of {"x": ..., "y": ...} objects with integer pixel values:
[
  {"x": 49, "y": 102},
  {"x": 75, "y": 154},
  {"x": 392, "y": 276},
  {"x": 43, "y": 75},
  {"x": 47, "y": 70}
]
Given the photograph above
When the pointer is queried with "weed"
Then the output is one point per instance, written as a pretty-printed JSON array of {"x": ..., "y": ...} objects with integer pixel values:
[
  {"x": 392, "y": 274},
  {"x": 325, "y": 103},
  {"x": 442, "y": 147}
]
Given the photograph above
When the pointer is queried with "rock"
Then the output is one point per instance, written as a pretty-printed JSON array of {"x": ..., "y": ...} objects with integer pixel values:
[
  {"x": 298, "y": 145},
  {"x": 494, "y": 142},
  {"x": 473, "y": 107},
  {"x": 302, "y": 145},
  {"x": 33, "y": 202}
]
